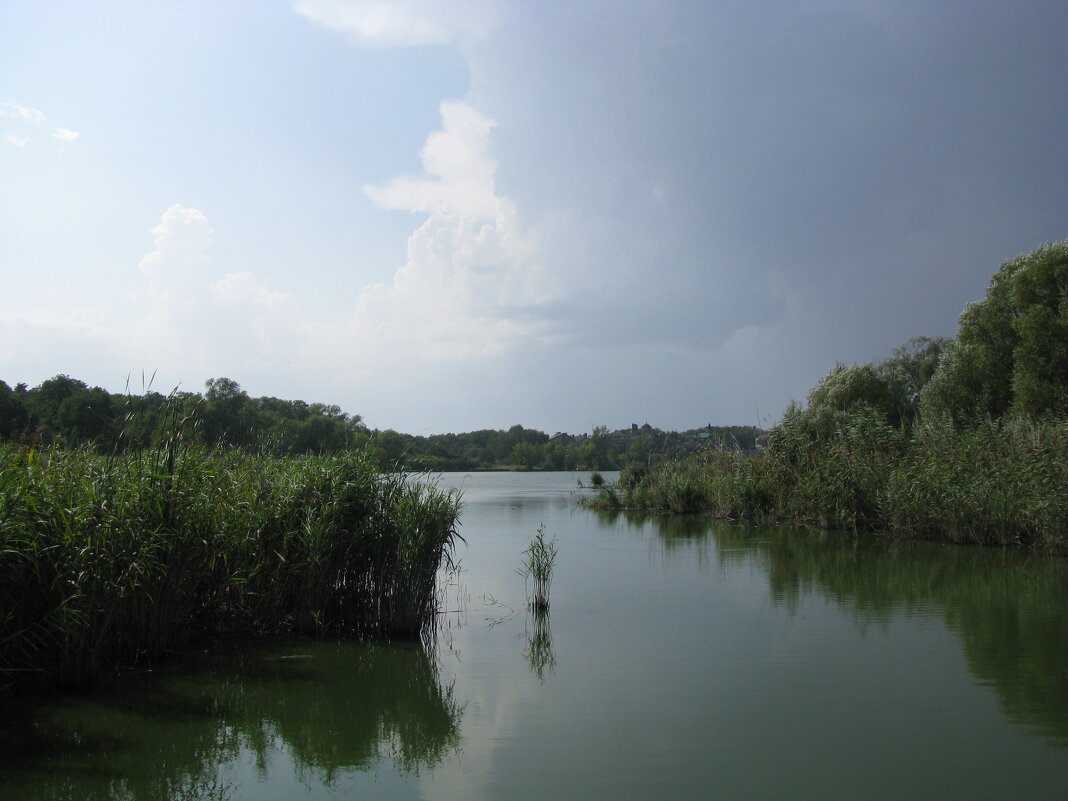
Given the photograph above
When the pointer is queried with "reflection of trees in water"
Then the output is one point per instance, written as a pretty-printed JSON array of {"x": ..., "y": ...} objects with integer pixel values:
[
  {"x": 539, "y": 647},
  {"x": 681, "y": 529},
  {"x": 333, "y": 707},
  {"x": 1010, "y": 608},
  {"x": 684, "y": 537}
]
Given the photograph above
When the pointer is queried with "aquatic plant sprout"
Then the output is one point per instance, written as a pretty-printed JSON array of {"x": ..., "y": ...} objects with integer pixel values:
[{"x": 538, "y": 561}]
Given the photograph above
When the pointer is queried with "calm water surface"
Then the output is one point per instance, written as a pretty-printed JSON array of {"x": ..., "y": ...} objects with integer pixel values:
[{"x": 680, "y": 659}]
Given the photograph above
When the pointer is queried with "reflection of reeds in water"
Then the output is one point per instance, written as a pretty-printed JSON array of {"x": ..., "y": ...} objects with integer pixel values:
[
  {"x": 323, "y": 711},
  {"x": 538, "y": 561},
  {"x": 539, "y": 650},
  {"x": 203, "y": 788}
]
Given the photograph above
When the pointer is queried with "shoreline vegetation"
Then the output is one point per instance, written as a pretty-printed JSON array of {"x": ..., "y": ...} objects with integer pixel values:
[
  {"x": 111, "y": 561},
  {"x": 964, "y": 440},
  {"x": 999, "y": 483},
  {"x": 131, "y": 525}
]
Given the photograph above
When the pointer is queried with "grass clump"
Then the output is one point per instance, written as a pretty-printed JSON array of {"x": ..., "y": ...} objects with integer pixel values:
[{"x": 538, "y": 561}]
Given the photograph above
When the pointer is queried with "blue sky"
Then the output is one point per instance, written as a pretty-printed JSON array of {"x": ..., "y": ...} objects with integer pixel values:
[{"x": 454, "y": 215}]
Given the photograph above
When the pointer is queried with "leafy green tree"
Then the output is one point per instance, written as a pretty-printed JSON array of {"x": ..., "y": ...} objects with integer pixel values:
[
  {"x": 45, "y": 399},
  {"x": 527, "y": 454},
  {"x": 87, "y": 415},
  {"x": 595, "y": 452},
  {"x": 14, "y": 416},
  {"x": 389, "y": 446},
  {"x": 442, "y": 447},
  {"x": 228, "y": 416},
  {"x": 282, "y": 409},
  {"x": 891, "y": 388},
  {"x": 504, "y": 442},
  {"x": 282, "y": 435},
  {"x": 224, "y": 390},
  {"x": 554, "y": 457},
  {"x": 330, "y": 410},
  {"x": 846, "y": 389},
  {"x": 908, "y": 370},
  {"x": 605, "y": 455},
  {"x": 638, "y": 451},
  {"x": 326, "y": 433},
  {"x": 586, "y": 455},
  {"x": 1011, "y": 350}
]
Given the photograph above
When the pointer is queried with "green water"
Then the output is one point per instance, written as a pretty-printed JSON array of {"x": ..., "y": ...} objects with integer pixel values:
[{"x": 680, "y": 659}]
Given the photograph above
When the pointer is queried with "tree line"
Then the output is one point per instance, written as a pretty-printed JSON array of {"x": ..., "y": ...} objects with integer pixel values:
[{"x": 66, "y": 411}]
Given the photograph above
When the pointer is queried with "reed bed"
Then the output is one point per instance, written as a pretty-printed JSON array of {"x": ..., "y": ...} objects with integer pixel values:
[
  {"x": 1000, "y": 482},
  {"x": 110, "y": 561}
]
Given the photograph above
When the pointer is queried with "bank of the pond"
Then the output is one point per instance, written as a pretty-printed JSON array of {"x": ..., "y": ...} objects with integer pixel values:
[
  {"x": 114, "y": 561},
  {"x": 998, "y": 483}
]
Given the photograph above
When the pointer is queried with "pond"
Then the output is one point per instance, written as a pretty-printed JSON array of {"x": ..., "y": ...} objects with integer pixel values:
[{"x": 681, "y": 658}]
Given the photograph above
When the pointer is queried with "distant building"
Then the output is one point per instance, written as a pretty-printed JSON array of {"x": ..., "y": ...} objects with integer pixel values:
[{"x": 626, "y": 436}]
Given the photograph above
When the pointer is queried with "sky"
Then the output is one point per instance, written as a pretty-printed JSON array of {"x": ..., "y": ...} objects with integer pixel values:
[{"x": 449, "y": 215}]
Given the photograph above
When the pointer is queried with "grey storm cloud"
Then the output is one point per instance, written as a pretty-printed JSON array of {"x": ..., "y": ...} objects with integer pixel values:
[{"x": 695, "y": 163}]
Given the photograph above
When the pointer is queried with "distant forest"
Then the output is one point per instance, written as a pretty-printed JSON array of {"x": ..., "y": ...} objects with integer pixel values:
[{"x": 67, "y": 411}]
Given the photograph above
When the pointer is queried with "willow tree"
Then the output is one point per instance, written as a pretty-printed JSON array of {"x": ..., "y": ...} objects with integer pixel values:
[{"x": 1011, "y": 351}]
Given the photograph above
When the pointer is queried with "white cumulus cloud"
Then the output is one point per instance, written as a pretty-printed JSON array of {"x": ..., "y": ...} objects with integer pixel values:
[
  {"x": 196, "y": 318},
  {"x": 471, "y": 286},
  {"x": 469, "y": 292},
  {"x": 65, "y": 134},
  {"x": 242, "y": 289},
  {"x": 182, "y": 238},
  {"x": 403, "y": 23},
  {"x": 460, "y": 172},
  {"x": 17, "y": 141}
]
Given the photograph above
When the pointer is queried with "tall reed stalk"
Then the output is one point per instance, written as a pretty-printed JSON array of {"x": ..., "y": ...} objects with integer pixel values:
[{"x": 538, "y": 561}]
